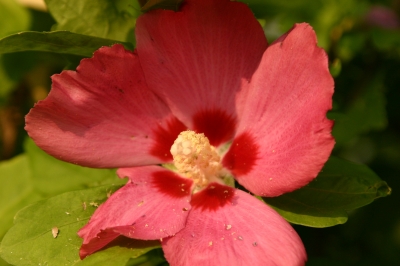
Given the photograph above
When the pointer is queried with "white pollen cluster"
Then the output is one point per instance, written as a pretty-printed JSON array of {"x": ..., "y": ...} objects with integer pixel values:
[{"x": 195, "y": 158}]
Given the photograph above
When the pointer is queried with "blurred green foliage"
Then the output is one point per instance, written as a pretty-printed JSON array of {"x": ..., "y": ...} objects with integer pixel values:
[
  {"x": 364, "y": 53},
  {"x": 107, "y": 19},
  {"x": 13, "y": 18}
]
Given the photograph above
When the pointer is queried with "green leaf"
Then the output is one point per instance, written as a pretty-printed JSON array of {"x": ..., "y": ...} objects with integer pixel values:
[
  {"x": 16, "y": 190},
  {"x": 4, "y": 263},
  {"x": 27, "y": 178},
  {"x": 341, "y": 186},
  {"x": 13, "y": 18},
  {"x": 116, "y": 256},
  {"x": 30, "y": 241},
  {"x": 63, "y": 42},
  {"x": 52, "y": 176},
  {"x": 131, "y": 7},
  {"x": 100, "y": 18},
  {"x": 154, "y": 257},
  {"x": 164, "y": 4}
]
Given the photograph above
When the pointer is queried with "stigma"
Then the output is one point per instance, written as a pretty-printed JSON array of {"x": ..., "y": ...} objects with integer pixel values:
[{"x": 195, "y": 158}]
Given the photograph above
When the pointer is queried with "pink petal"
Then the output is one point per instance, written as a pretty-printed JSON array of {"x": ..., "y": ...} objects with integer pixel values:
[
  {"x": 199, "y": 58},
  {"x": 284, "y": 137},
  {"x": 154, "y": 204},
  {"x": 108, "y": 238},
  {"x": 244, "y": 231},
  {"x": 102, "y": 239},
  {"x": 102, "y": 115}
]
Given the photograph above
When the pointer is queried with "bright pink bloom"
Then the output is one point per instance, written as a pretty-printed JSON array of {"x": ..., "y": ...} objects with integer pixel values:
[{"x": 206, "y": 68}]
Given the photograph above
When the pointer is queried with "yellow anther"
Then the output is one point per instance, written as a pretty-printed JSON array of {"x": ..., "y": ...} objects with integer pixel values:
[{"x": 196, "y": 158}]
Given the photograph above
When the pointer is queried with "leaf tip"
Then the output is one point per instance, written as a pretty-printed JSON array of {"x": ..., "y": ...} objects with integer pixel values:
[{"x": 383, "y": 190}]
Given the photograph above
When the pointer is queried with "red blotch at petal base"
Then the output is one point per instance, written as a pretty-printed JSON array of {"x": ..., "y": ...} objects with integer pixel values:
[
  {"x": 213, "y": 197},
  {"x": 171, "y": 184},
  {"x": 217, "y": 125},
  {"x": 165, "y": 137},
  {"x": 242, "y": 155}
]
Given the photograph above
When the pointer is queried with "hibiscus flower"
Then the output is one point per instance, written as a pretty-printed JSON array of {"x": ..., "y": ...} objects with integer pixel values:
[{"x": 201, "y": 102}]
